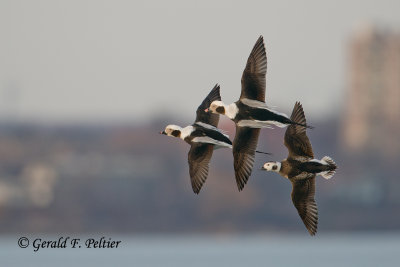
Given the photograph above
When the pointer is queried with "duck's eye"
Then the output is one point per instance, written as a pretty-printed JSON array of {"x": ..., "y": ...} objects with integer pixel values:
[
  {"x": 220, "y": 110},
  {"x": 176, "y": 133}
]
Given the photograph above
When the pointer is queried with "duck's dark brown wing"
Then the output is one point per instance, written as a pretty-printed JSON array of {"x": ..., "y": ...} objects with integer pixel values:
[
  {"x": 208, "y": 117},
  {"x": 244, "y": 147},
  {"x": 199, "y": 157},
  {"x": 303, "y": 193},
  {"x": 296, "y": 139},
  {"x": 253, "y": 78}
]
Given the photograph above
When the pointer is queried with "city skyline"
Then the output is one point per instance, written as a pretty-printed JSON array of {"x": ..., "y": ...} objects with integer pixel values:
[{"x": 373, "y": 103}]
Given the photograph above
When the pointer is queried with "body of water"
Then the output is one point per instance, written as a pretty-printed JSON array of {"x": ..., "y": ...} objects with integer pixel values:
[{"x": 341, "y": 249}]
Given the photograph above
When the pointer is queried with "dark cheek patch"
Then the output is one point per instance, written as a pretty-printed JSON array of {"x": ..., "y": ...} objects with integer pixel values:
[
  {"x": 274, "y": 167},
  {"x": 220, "y": 110},
  {"x": 176, "y": 133}
]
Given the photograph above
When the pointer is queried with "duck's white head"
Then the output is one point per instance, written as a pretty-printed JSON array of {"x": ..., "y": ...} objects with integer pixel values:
[
  {"x": 172, "y": 130},
  {"x": 273, "y": 166},
  {"x": 217, "y": 107}
]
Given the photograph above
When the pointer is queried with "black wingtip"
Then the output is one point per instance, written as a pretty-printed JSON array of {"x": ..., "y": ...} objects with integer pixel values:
[
  {"x": 259, "y": 43},
  {"x": 240, "y": 185},
  {"x": 216, "y": 87},
  {"x": 196, "y": 190},
  {"x": 298, "y": 117},
  {"x": 214, "y": 94}
]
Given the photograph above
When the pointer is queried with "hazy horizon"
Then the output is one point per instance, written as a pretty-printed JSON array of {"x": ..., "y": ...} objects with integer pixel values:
[{"x": 131, "y": 61}]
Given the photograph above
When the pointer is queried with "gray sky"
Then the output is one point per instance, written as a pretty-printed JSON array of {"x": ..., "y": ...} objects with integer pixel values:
[{"x": 131, "y": 60}]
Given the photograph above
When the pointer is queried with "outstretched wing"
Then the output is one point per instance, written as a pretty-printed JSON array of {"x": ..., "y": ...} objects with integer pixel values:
[
  {"x": 296, "y": 139},
  {"x": 208, "y": 117},
  {"x": 244, "y": 147},
  {"x": 199, "y": 157},
  {"x": 253, "y": 78},
  {"x": 303, "y": 193}
]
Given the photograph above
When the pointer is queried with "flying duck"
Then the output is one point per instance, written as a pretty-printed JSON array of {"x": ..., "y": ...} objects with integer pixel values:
[
  {"x": 203, "y": 136},
  {"x": 250, "y": 113},
  {"x": 301, "y": 167}
]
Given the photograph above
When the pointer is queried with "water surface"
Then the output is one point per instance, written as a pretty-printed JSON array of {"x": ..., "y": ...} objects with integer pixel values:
[{"x": 342, "y": 249}]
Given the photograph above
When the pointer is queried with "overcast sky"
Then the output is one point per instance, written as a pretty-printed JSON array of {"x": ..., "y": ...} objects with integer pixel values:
[{"x": 131, "y": 60}]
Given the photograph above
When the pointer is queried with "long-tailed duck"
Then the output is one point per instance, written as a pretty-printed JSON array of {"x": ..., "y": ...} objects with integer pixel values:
[
  {"x": 203, "y": 136},
  {"x": 301, "y": 168},
  {"x": 250, "y": 113}
]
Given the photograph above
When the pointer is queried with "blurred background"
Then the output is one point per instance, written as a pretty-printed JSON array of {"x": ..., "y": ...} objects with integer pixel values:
[{"x": 86, "y": 87}]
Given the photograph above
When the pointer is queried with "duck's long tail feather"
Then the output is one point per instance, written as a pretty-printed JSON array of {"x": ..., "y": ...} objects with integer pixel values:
[{"x": 266, "y": 153}]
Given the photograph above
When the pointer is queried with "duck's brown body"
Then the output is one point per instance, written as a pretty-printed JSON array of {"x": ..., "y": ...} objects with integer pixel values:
[
  {"x": 297, "y": 170},
  {"x": 300, "y": 167}
]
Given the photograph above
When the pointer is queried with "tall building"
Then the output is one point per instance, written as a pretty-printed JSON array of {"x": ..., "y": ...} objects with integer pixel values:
[{"x": 372, "y": 115}]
